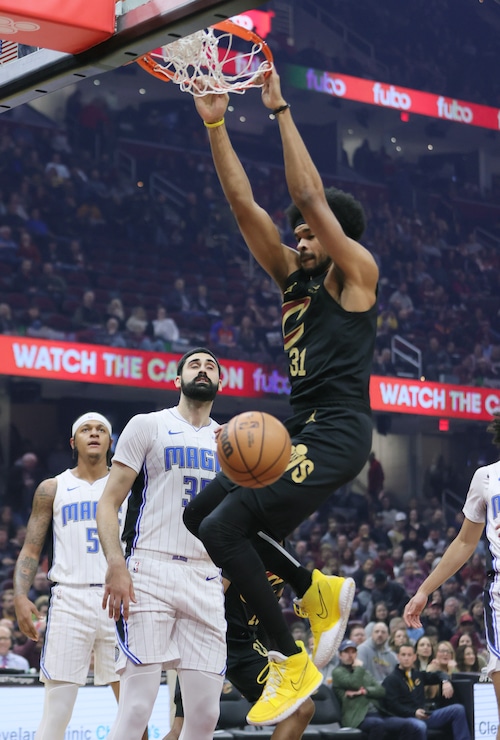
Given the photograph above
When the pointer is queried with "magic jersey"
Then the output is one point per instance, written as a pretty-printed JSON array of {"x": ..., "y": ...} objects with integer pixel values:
[
  {"x": 483, "y": 505},
  {"x": 178, "y": 460},
  {"x": 78, "y": 558}
]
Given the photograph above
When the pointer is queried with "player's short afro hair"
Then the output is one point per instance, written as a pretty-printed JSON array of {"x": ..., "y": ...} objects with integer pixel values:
[{"x": 347, "y": 209}]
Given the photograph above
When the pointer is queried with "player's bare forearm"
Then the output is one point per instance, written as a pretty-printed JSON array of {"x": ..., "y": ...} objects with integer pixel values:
[
  {"x": 455, "y": 556},
  {"x": 120, "y": 481},
  {"x": 24, "y": 573}
]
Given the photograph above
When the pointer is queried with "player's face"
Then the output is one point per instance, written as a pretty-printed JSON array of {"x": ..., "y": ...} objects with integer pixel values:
[
  {"x": 92, "y": 439},
  {"x": 200, "y": 378},
  {"x": 314, "y": 260}
]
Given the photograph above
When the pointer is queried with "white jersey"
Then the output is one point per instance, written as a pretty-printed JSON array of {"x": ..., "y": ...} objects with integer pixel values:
[
  {"x": 78, "y": 557},
  {"x": 178, "y": 460},
  {"x": 482, "y": 505}
]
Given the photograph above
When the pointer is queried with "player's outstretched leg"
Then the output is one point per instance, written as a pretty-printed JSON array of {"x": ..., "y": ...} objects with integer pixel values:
[
  {"x": 327, "y": 605},
  {"x": 290, "y": 681}
]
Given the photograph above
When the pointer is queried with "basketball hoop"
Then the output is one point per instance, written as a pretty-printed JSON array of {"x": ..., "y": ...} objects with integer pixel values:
[{"x": 215, "y": 60}]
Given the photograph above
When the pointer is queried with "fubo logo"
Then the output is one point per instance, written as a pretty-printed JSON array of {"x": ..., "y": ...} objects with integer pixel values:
[
  {"x": 390, "y": 97},
  {"x": 453, "y": 111},
  {"x": 325, "y": 83}
]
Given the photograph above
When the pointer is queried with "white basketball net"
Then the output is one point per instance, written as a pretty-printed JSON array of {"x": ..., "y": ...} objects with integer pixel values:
[{"x": 200, "y": 65}]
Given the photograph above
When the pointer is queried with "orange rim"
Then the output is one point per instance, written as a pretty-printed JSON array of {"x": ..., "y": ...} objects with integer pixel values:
[{"x": 146, "y": 61}]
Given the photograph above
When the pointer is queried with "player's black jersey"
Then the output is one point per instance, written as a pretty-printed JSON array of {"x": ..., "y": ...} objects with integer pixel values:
[{"x": 330, "y": 350}]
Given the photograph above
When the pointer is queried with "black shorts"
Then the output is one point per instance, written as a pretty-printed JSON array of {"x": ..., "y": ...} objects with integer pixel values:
[
  {"x": 246, "y": 661},
  {"x": 330, "y": 447}
]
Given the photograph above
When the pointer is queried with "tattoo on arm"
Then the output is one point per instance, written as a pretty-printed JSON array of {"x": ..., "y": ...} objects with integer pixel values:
[{"x": 26, "y": 568}]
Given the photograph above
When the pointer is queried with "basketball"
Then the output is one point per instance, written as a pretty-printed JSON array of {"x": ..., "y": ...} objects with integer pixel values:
[{"x": 254, "y": 449}]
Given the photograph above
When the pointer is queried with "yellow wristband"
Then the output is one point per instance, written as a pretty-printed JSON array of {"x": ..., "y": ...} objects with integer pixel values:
[{"x": 214, "y": 125}]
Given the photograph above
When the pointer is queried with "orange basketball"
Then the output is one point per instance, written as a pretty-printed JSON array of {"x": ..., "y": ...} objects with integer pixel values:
[{"x": 254, "y": 449}]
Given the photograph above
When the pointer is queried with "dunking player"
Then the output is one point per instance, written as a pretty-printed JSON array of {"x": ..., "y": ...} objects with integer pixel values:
[
  {"x": 76, "y": 625},
  {"x": 247, "y": 663},
  {"x": 167, "y": 598},
  {"x": 482, "y": 505},
  {"x": 329, "y": 286}
]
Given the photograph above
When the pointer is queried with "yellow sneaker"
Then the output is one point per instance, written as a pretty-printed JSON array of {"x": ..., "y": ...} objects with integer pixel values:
[
  {"x": 327, "y": 604},
  {"x": 290, "y": 681}
]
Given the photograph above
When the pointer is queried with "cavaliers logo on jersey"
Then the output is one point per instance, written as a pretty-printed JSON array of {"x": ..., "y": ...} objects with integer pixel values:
[{"x": 293, "y": 327}]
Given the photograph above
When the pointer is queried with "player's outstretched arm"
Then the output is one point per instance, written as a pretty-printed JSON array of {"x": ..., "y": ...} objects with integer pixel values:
[
  {"x": 455, "y": 556},
  {"x": 119, "y": 590},
  {"x": 255, "y": 224},
  {"x": 307, "y": 192},
  {"x": 29, "y": 557}
]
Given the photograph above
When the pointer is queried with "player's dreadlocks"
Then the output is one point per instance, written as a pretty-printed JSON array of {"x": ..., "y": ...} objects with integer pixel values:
[{"x": 494, "y": 428}]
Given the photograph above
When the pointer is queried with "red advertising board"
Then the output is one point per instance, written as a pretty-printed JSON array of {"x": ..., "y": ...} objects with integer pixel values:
[
  {"x": 88, "y": 363},
  {"x": 385, "y": 95}
]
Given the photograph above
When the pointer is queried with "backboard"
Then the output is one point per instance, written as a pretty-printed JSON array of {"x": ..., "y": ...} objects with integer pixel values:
[{"x": 27, "y": 73}]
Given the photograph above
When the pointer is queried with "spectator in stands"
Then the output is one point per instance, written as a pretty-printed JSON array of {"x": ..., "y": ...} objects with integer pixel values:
[
  {"x": 376, "y": 477},
  {"x": 412, "y": 575},
  {"x": 110, "y": 334},
  {"x": 164, "y": 328},
  {"x": 359, "y": 695},
  {"x": 9, "y": 659},
  {"x": 23, "y": 478},
  {"x": 271, "y": 332},
  {"x": 365, "y": 551},
  {"x": 27, "y": 247},
  {"x": 431, "y": 617},
  {"x": 18, "y": 540},
  {"x": 397, "y": 637},
  {"x": 380, "y": 614},
  {"x": 41, "y": 585},
  {"x": 466, "y": 626},
  {"x": 444, "y": 661},
  {"x": 202, "y": 303},
  {"x": 375, "y": 654},
  {"x": 391, "y": 592},
  {"x": 9, "y": 248},
  {"x": 435, "y": 541},
  {"x": 397, "y": 533},
  {"x": 468, "y": 661},
  {"x": 177, "y": 299},
  {"x": 388, "y": 512},
  {"x": 383, "y": 364},
  {"x": 37, "y": 226},
  {"x": 247, "y": 338},
  {"x": 26, "y": 280},
  {"x": 52, "y": 285},
  {"x": 116, "y": 310},
  {"x": 402, "y": 304},
  {"x": 7, "y": 323},
  {"x": 57, "y": 166},
  {"x": 357, "y": 634},
  {"x": 476, "y": 611},
  {"x": 424, "y": 649},
  {"x": 383, "y": 561},
  {"x": 474, "y": 571},
  {"x": 387, "y": 326},
  {"x": 7, "y": 552},
  {"x": 223, "y": 333},
  {"x": 364, "y": 595},
  {"x": 7, "y": 611},
  {"x": 86, "y": 315},
  {"x": 137, "y": 338},
  {"x": 451, "y": 612},
  {"x": 435, "y": 361},
  {"x": 405, "y": 697},
  {"x": 29, "y": 649}
]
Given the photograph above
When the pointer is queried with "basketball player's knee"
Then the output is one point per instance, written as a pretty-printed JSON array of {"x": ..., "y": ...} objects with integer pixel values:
[
  {"x": 191, "y": 522},
  {"x": 216, "y": 536}
]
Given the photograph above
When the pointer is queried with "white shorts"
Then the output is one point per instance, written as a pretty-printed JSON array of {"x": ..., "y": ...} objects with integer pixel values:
[
  {"x": 77, "y": 625},
  {"x": 178, "y": 619}
]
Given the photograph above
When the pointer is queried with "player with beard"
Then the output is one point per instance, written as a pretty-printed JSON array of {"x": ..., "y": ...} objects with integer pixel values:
[
  {"x": 167, "y": 596},
  {"x": 329, "y": 288}
]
